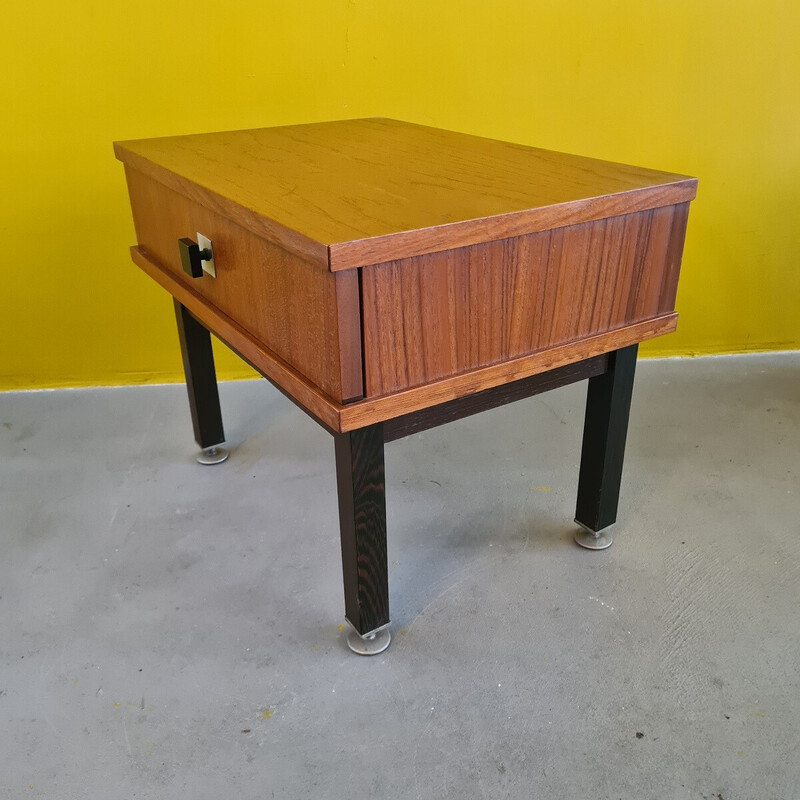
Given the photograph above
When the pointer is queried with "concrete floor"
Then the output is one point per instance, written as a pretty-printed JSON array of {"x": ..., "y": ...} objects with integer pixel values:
[{"x": 169, "y": 630}]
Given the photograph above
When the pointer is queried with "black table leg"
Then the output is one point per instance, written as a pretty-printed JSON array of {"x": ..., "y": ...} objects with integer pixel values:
[
  {"x": 362, "y": 523},
  {"x": 201, "y": 380},
  {"x": 608, "y": 405}
]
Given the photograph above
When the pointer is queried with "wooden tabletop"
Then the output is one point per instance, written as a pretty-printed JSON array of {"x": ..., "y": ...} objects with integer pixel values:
[{"x": 358, "y": 192}]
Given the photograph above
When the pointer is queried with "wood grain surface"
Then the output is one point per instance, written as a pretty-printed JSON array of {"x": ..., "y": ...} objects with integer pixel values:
[
  {"x": 359, "y": 192},
  {"x": 361, "y": 488},
  {"x": 378, "y": 409},
  {"x": 304, "y": 393},
  {"x": 336, "y": 417},
  {"x": 371, "y": 268},
  {"x": 305, "y": 315},
  {"x": 441, "y": 314}
]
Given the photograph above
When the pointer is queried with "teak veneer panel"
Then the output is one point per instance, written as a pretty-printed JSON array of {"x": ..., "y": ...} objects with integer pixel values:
[
  {"x": 406, "y": 401},
  {"x": 294, "y": 385},
  {"x": 441, "y": 314},
  {"x": 339, "y": 418},
  {"x": 359, "y": 192},
  {"x": 303, "y": 314}
]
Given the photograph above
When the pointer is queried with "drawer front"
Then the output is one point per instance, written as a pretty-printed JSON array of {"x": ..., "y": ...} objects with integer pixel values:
[
  {"x": 441, "y": 314},
  {"x": 307, "y": 316}
]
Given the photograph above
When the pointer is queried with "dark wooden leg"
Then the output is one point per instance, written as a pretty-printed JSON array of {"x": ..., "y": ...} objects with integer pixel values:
[
  {"x": 362, "y": 523},
  {"x": 607, "y": 407},
  {"x": 201, "y": 379}
]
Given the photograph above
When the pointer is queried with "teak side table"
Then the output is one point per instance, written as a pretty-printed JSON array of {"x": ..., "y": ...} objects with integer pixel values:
[{"x": 390, "y": 277}]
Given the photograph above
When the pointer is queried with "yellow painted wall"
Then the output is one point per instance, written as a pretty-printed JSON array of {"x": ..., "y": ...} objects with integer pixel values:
[{"x": 705, "y": 87}]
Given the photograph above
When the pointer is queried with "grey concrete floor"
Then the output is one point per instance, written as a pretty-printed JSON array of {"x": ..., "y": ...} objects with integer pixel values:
[{"x": 169, "y": 630}]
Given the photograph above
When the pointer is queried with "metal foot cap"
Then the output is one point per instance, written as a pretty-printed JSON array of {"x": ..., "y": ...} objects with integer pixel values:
[
  {"x": 213, "y": 455},
  {"x": 592, "y": 540},
  {"x": 369, "y": 645}
]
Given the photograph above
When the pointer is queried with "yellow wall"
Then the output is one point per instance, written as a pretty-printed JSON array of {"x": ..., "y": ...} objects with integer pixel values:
[{"x": 705, "y": 87}]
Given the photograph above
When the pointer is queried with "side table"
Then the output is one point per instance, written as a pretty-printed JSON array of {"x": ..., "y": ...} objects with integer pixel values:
[{"x": 390, "y": 277}]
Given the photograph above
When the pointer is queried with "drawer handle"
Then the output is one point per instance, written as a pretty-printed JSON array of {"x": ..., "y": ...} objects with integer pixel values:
[{"x": 192, "y": 257}]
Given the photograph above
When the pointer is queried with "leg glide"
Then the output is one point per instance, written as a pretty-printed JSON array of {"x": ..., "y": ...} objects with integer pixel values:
[
  {"x": 370, "y": 644},
  {"x": 213, "y": 455},
  {"x": 601, "y": 540}
]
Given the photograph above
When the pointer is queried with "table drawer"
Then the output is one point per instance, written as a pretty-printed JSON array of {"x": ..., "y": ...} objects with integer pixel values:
[
  {"x": 441, "y": 314},
  {"x": 307, "y": 316}
]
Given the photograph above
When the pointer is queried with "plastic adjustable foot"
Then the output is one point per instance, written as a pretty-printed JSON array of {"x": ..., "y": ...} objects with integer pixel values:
[
  {"x": 593, "y": 540},
  {"x": 212, "y": 455},
  {"x": 371, "y": 644}
]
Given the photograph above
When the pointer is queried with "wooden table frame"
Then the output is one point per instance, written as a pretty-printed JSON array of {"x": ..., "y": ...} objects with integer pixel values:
[{"x": 360, "y": 460}]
